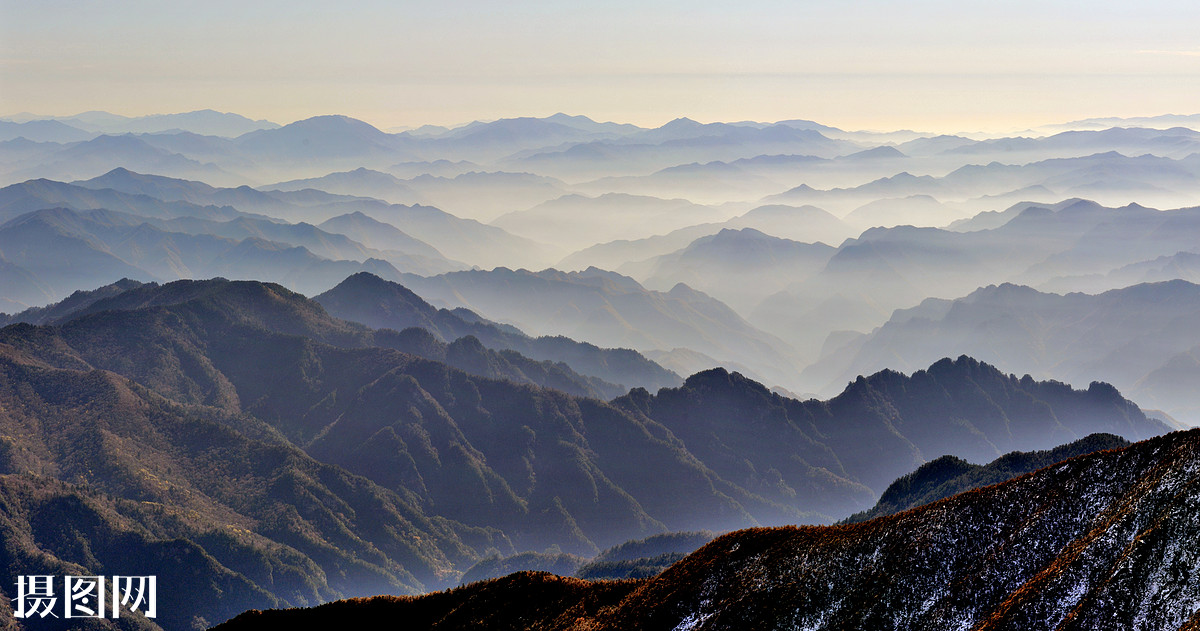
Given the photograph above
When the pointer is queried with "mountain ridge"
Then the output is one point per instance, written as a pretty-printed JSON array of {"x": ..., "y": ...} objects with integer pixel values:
[
  {"x": 382, "y": 304},
  {"x": 1112, "y": 554}
]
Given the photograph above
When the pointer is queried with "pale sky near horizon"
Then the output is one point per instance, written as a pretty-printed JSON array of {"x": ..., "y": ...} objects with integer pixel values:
[{"x": 937, "y": 65}]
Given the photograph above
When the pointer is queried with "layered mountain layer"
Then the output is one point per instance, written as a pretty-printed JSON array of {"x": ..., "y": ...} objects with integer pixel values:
[
  {"x": 305, "y": 458},
  {"x": 1102, "y": 541}
]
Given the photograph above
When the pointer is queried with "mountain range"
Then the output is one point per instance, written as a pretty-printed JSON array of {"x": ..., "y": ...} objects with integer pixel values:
[
  {"x": 806, "y": 224},
  {"x": 1077, "y": 337},
  {"x": 105, "y": 246},
  {"x": 205, "y": 122},
  {"x": 421, "y": 226},
  {"x": 609, "y": 309},
  {"x": 1063, "y": 245},
  {"x": 381, "y": 304},
  {"x": 1107, "y": 176},
  {"x": 736, "y": 325},
  {"x": 577, "y": 221},
  {"x": 720, "y": 265},
  {"x": 1096, "y": 542},
  {"x": 950, "y": 475},
  {"x": 135, "y": 397}
]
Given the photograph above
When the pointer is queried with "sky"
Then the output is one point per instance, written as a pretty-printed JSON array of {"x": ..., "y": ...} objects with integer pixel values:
[{"x": 931, "y": 65}]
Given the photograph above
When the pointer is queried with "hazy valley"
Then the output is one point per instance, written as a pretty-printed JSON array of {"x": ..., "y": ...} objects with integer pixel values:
[{"x": 285, "y": 364}]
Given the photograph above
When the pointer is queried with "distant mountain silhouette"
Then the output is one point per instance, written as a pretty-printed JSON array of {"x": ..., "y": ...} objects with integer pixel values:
[
  {"x": 89, "y": 158},
  {"x": 43, "y": 131},
  {"x": 713, "y": 181},
  {"x": 876, "y": 153},
  {"x": 609, "y": 309},
  {"x": 464, "y": 237},
  {"x": 167, "y": 189},
  {"x": 1153, "y": 122},
  {"x": 1105, "y": 175},
  {"x": 843, "y": 200},
  {"x": 409, "y": 254},
  {"x": 681, "y": 141},
  {"x": 458, "y": 239},
  {"x": 20, "y": 288},
  {"x": 933, "y": 145},
  {"x": 382, "y": 304},
  {"x": 587, "y": 124},
  {"x": 32, "y": 195},
  {"x": 724, "y": 264},
  {"x": 614, "y": 254},
  {"x": 807, "y": 224},
  {"x": 361, "y": 182},
  {"x": 577, "y": 221},
  {"x": 498, "y": 139},
  {"x": 64, "y": 249},
  {"x": 325, "y": 141},
  {"x": 377, "y": 234},
  {"x": 484, "y": 195},
  {"x": 1077, "y": 337},
  {"x": 205, "y": 122},
  {"x": 914, "y": 210},
  {"x": 896, "y": 268},
  {"x": 1178, "y": 266},
  {"x": 1176, "y": 142},
  {"x": 438, "y": 168}
]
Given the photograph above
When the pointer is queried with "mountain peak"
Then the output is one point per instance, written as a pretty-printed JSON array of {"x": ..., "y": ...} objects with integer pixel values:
[
  {"x": 682, "y": 291},
  {"x": 682, "y": 123},
  {"x": 328, "y": 119},
  {"x": 876, "y": 153},
  {"x": 1003, "y": 291},
  {"x": 743, "y": 234},
  {"x": 570, "y": 118}
]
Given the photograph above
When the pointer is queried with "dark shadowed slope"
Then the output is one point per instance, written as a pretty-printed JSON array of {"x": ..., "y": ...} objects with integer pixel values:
[
  {"x": 248, "y": 406},
  {"x": 725, "y": 451},
  {"x": 494, "y": 452},
  {"x": 1103, "y": 541},
  {"x": 295, "y": 315},
  {"x": 99, "y": 475},
  {"x": 879, "y": 427}
]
